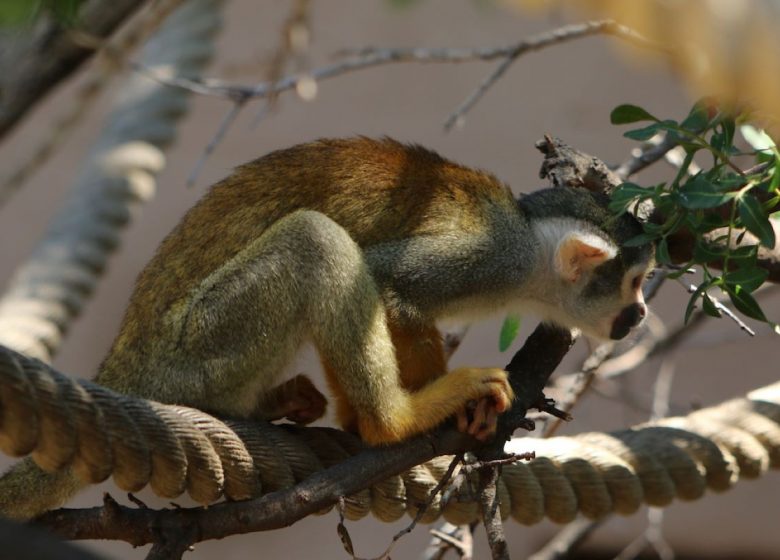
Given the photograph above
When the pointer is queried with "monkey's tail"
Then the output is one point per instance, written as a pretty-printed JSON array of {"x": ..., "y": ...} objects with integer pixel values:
[{"x": 26, "y": 491}]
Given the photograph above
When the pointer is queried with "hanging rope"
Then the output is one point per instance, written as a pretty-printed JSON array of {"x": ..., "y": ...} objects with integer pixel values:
[
  {"x": 99, "y": 433},
  {"x": 50, "y": 289}
]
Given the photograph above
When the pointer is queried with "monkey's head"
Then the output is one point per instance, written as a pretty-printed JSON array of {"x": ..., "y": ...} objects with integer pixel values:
[{"x": 594, "y": 279}]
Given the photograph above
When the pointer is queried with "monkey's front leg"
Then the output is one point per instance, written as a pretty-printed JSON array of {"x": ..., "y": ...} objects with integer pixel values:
[
  {"x": 419, "y": 350},
  {"x": 306, "y": 278}
]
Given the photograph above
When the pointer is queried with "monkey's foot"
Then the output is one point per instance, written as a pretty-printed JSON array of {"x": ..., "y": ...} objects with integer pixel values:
[
  {"x": 298, "y": 400},
  {"x": 479, "y": 419}
]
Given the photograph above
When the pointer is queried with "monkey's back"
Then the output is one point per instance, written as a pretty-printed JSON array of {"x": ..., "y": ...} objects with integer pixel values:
[{"x": 378, "y": 190}]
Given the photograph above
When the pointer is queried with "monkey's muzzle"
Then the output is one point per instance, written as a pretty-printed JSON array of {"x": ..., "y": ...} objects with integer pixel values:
[{"x": 627, "y": 319}]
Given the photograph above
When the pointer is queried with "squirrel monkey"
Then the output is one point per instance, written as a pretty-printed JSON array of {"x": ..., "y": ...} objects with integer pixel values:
[{"x": 360, "y": 246}]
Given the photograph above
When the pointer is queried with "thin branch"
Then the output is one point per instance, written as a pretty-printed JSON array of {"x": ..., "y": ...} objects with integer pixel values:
[
  {"x": 491, "y": 513},
  {"x": 646, "y": 156},
  {"x": 654, "y": 534},
  {"x": 294, "y": 42},
  {"x": 720, "y": 306},
  {"x": 271, "y": 511},
  {"x": 370, "y": 57},
  {"x": 451, "y": 537},
  {"x": 556, "y": 36},
  {"x": 567, "y": 540},
  {"x": 229, "y": 118},
  {"x": 438, "y": 489}
]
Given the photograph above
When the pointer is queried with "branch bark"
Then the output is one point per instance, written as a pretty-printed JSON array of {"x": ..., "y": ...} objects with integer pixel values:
[{"x": 529, "y": 371}]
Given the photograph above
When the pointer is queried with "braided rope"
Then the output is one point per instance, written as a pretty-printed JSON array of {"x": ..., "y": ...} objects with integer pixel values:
[
  {"x": 50, "y": 289},
  {"x": 174, "y": 449}
]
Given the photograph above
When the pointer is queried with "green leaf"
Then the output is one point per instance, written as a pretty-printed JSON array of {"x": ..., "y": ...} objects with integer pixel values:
[
  {"x": 642, "y": 134},
  {"x": 756, "y": 220},
  {"x": 64, "y": 11},
  {"x": 775, "y": 181},
  {"x": 709, "y": 307},
  {"x": 630, "y": 190},
  {"x": 651, "y": 130},
  {"x": 700, "y": 193},
  {"x": 625, "y": 194},
  {"x": 704, "y": 252},
  {"x": 662, "y": 252},
  {"x": 679, "y": 272},
  {"x": 641, "y": 239},
  {"x": 697, "y": 119},
  {"x": 744, "y": 254},
  {"x": 711, "y": 221},
  {"x": 692, "y": 302},
  {"x": 745, "y": 303},
  {"x": 723, "y": 136},
  {"x": 748, "y": 278},
  {"x": 624, "y": 114},
  {"x": 18, "y": 12},
  {"x": 757, "y": 138},
  {"x": 509, "y": 330}
]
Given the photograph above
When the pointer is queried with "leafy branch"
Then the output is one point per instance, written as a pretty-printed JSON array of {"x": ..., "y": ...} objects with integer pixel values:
[{"x": 726, "y": 209}]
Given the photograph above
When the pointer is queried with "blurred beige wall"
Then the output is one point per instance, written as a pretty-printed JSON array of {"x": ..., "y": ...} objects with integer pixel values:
[{"x": 567, "y": 90}]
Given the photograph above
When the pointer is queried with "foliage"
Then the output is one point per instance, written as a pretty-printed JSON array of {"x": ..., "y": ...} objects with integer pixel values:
[
  {"x": 717, "y": 205},
  {"x": 509, "y": 330},
  {"x": 24, "y": 12}
]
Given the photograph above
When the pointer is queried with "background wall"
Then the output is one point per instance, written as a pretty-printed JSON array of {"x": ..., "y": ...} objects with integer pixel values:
[{"x": 567, "y": 90}]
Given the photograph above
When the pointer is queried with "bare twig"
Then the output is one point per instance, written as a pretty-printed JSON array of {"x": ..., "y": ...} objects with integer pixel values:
[
  {"x": 654, "y": 534},
  {"x": 294, "y": 43},
  {"x": 644, "y": 157},
  {"x": 567, "y": 540},
  {"x": 451, "y": 537},
  {"x": 229, "y": 118},
  {"x": 443, "y": 482},
  {"x": 662, "y": 390},
  {"x": 341, "y": 529},
  {"x": 720, "y": 306},
  {"x": 560, "y": 35},
  {"x": 491, "y": 513},
  {"x": 370, "y": 57}
]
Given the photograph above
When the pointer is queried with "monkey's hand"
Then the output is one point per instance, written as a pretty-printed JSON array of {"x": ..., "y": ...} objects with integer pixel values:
[
  {"x": 297, "y": 400},
  {"x": 479, "y": 417}
]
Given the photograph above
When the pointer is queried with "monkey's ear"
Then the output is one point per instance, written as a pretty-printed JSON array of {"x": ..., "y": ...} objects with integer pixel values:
[{"x": 581, "y": 252}]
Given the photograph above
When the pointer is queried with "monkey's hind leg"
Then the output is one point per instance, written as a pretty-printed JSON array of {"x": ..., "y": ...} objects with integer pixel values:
[{"x": 297, "y": 400}]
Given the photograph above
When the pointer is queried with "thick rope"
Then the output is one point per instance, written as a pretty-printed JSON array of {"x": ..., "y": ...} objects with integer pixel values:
[
  {"x": 174, "y": 449},
  {"x": 50, "y": 289}
]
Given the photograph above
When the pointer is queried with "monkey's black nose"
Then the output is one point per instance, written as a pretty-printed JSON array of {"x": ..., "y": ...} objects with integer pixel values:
[{"x": 629, "y": 317}]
